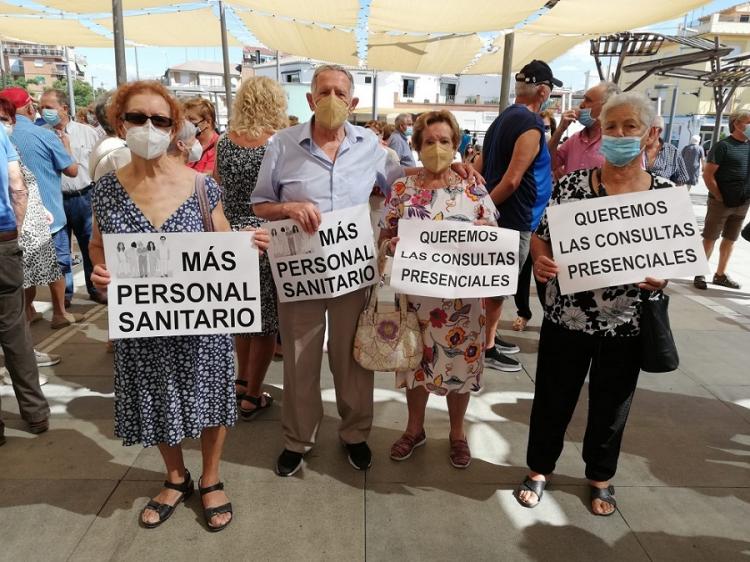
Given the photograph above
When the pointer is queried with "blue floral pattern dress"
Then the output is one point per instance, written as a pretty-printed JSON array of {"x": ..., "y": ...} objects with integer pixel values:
[
  {"x": 166, "y": 388},
  {"x": 452, "y": 329}
]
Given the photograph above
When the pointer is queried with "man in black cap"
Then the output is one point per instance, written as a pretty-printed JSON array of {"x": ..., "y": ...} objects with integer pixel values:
[{"x": 517, "y": 166}]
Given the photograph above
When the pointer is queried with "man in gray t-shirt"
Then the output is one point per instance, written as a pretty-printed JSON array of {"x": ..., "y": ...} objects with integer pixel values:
[{"x": 694, "y": 158}]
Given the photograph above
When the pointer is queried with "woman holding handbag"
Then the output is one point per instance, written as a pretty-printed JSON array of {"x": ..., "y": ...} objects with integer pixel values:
[
  {"x": 597, "y": 333},
  {"x": 452, "y": 329}
]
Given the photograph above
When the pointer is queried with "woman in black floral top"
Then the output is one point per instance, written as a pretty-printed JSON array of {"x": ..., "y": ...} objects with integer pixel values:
[{"x": 591, "y": 332}]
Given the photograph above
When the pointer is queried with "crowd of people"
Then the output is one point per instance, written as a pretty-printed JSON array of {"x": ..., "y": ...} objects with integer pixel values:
[{"x": 142, "y": 162}]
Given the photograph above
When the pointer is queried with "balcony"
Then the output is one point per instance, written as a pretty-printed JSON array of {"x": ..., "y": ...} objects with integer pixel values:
[{"x": 722, "y": 24}]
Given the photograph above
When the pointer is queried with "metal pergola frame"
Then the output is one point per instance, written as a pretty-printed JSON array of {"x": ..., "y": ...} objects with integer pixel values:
[{"x": 623, "y": 45}]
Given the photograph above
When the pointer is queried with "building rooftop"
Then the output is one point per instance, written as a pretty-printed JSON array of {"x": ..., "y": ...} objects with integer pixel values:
[{"x": 205, "y": 67}]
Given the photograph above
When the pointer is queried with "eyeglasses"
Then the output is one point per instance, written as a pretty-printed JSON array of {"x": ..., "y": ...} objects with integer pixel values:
[{"x": 141, "y": 118}]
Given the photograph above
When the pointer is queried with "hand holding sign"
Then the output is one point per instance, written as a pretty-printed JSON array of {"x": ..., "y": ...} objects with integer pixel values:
[
  {"x": 307, "y": 215},
  {"x": 545, "y": 269},
  {"x": 100, "y": 277}
]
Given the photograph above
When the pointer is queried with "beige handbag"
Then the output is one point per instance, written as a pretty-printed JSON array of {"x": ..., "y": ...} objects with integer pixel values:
[{"x": 387, "y": 341}]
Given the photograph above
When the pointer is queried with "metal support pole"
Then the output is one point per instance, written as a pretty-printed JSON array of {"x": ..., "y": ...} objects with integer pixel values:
[
  {"x": 69, "y": 76},
  {"x": 507, "y": 70},
  {"x": 278, "y": 68},
  {"x": 119, "y": 33},
  {"x": 225, "y": 55},
  {"x": 137, "y": 70},
  {"x": 375, "y": 95},
  {"x": 671, "y": 115}
]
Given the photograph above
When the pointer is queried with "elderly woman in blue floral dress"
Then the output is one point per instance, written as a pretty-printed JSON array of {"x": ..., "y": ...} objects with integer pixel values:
[
  {"x": 167, "y": 389},
  {"x": 452, "y": 329}
]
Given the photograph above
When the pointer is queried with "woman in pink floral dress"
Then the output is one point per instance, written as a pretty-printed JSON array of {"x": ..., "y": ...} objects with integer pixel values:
[{"x": 453, "y": 329}]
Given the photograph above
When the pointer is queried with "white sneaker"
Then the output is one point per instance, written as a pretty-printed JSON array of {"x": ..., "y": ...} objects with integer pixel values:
[{"x": 46, "y": 359}]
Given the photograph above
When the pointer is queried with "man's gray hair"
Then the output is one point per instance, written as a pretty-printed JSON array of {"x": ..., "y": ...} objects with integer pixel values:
[
  {"x": 610, "y": 89},
  {"x": 100, "y": 110},
  {"x": 61, "y": 95},
  {"x": 401, "y": 117},
  {"x": 187, "y": 131},
  {"x": 736, "y": 116},
  {"x": 658, "y": 122},
  {"x": 335, "y": 68},
  {"x": 639, "y": 102},
  {"x": 526, "y": 90}
]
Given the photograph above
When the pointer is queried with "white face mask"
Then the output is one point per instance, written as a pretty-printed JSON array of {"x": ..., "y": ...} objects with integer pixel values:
[
  {"x": 147, "y": 141},
  {"x": 195, "y": 153}
]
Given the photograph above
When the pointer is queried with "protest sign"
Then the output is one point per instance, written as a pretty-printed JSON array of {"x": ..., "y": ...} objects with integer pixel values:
[
  {"x": 338, "y": 259},
  {"x": 171, "y": 284},
  {"x": 450, "y": 259},
  {"x": 622, "y": 239}
]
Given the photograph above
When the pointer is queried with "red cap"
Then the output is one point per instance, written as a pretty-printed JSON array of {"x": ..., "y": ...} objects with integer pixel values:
[{"x": 17, "y": 96}]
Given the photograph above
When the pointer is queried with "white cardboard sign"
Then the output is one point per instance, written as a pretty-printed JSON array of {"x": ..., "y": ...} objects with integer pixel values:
[
  {"x": 338, "y": 259},
  {"x": 621, "y": 239},
  {"x": 450, "y": 259},
  {"x": 171, "y": 284}
]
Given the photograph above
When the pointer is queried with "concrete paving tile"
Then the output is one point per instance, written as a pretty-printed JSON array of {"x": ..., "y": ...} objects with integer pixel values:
[
  {"x": 687, "y": 314},
  {"x": 677, "y": 524},
  {"x": 737, "y": 396},
  {"x": 44, "y": 519},
  {"x": 714, "y": 358},
  {"x": 250, "y": 455},
  {"x": 687, "y": 457},
  {"x": 481, "y": 522},
  {"x": 82, "y": 360},
  {"x": 71, "y": 449},
  {"x": 278, "y": 522},
  {"x": 87, "y": 398}
]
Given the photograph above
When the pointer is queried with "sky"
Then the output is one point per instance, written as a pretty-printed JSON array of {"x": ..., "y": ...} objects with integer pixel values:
[{"x": 152, "y": 62}]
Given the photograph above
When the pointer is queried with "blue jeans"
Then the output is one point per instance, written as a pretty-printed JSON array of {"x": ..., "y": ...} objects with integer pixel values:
[
  {"x": 79, "y": 216},
  {"x": 62, "y": 249}
]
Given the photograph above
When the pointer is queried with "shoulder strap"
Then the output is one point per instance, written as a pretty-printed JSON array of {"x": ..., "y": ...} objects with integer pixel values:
[{"x": 200, "y": 191}]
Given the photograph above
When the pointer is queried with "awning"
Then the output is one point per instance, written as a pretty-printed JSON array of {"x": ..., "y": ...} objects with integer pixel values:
[
  {"x": 331, "y": 12},
  {"x": 423, "y": 54},
  {"x": 305, "y": 40},
  {"x": 601, "y": 17},
  {"x": 51, "y": 30},
  {"x": 101, "y": 6},
  {"x": 193, "y": 28},
  {"x": 526, "y": 47},
  {"x": 6, "y": 8},
  {"x": 434, "y": 16}
]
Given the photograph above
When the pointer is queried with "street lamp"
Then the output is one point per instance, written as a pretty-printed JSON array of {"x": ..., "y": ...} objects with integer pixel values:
[{"x": 668, "y": 133}]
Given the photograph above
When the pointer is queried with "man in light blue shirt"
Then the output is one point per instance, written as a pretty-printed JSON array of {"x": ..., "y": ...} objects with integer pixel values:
[
  {"x": 48, "y": 157},
  {"x": 399, "y": 141},
  {"x": 316, "y": 167}
]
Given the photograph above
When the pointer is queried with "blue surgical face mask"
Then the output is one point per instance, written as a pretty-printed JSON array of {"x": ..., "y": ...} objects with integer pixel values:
[
  {"x": 546, "y": 104},
  {"x": 51, "y": 116},
  {"x": 409, "y": 131},
  {"x": 619, "y": 151},
  {"x": 747, "y": 131},
  {"x": 584, "y": 117}
]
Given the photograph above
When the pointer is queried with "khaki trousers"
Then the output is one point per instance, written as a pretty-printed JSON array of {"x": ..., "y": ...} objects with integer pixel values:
[{"x": 302, "y": 325}]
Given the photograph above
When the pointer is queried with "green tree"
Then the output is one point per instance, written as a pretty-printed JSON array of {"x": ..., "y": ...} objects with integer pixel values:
[{"x": 82, "y": 91}]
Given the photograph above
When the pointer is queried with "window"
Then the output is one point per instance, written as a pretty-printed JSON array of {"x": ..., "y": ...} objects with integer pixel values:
[
  {"x": 745, "y": 19},
  {"x": 368, "y": 79},
  {"x": 38, "y": 63},
  {"x": 408, "y": 88},
  {"x": 291, "y": 77}
]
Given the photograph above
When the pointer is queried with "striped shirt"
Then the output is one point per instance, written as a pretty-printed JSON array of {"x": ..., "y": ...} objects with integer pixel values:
[
  {"x": 670, "y": 165},
  {"x": 46, "y": 157},
  {"x": 731, "y": 156}
]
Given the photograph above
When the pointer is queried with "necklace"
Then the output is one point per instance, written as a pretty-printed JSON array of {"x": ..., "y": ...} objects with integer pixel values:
[{"x": 453, "y": 181}]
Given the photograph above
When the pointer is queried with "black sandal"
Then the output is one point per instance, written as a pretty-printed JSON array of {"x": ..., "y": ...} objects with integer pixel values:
[
  {"x": 529, "y": 485},
  {"x": 165, "y": 510},
  {"x": 257, "y": 401},
  {"x": 243, "y": 384},
  {"x": 209, "y": 512},
  {"x": 607, "y": 495}
]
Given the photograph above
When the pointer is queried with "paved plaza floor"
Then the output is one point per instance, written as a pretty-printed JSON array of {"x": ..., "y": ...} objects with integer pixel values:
[{"x": 683, "y": 484}]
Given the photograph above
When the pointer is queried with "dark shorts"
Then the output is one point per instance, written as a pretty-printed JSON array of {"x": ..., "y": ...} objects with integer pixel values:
[{"x": 724, "y": 221}]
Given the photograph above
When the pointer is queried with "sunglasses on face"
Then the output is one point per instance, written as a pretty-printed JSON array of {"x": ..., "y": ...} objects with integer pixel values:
[{"x": 141, "y": 118}]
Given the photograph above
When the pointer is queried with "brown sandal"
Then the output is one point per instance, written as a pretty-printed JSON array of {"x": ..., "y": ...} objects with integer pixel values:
[
  {"x": 404, "y": 447},
  {"x": 460, "y": 453}
]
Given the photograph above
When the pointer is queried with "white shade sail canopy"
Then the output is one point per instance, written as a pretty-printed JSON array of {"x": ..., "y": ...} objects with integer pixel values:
[
  {"x": 526, "y": 47},
  {"x": 436, "y": 16},
  {"x": 380, "y": 35},
  {"x": 304, "y": 40}
]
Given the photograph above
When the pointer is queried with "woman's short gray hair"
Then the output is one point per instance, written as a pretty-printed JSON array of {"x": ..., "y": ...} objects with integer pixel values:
[
  {"x": 639, "y": 102},
  {"x": 736, "y": 116},
  {"x": 187, "y": 131}
]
